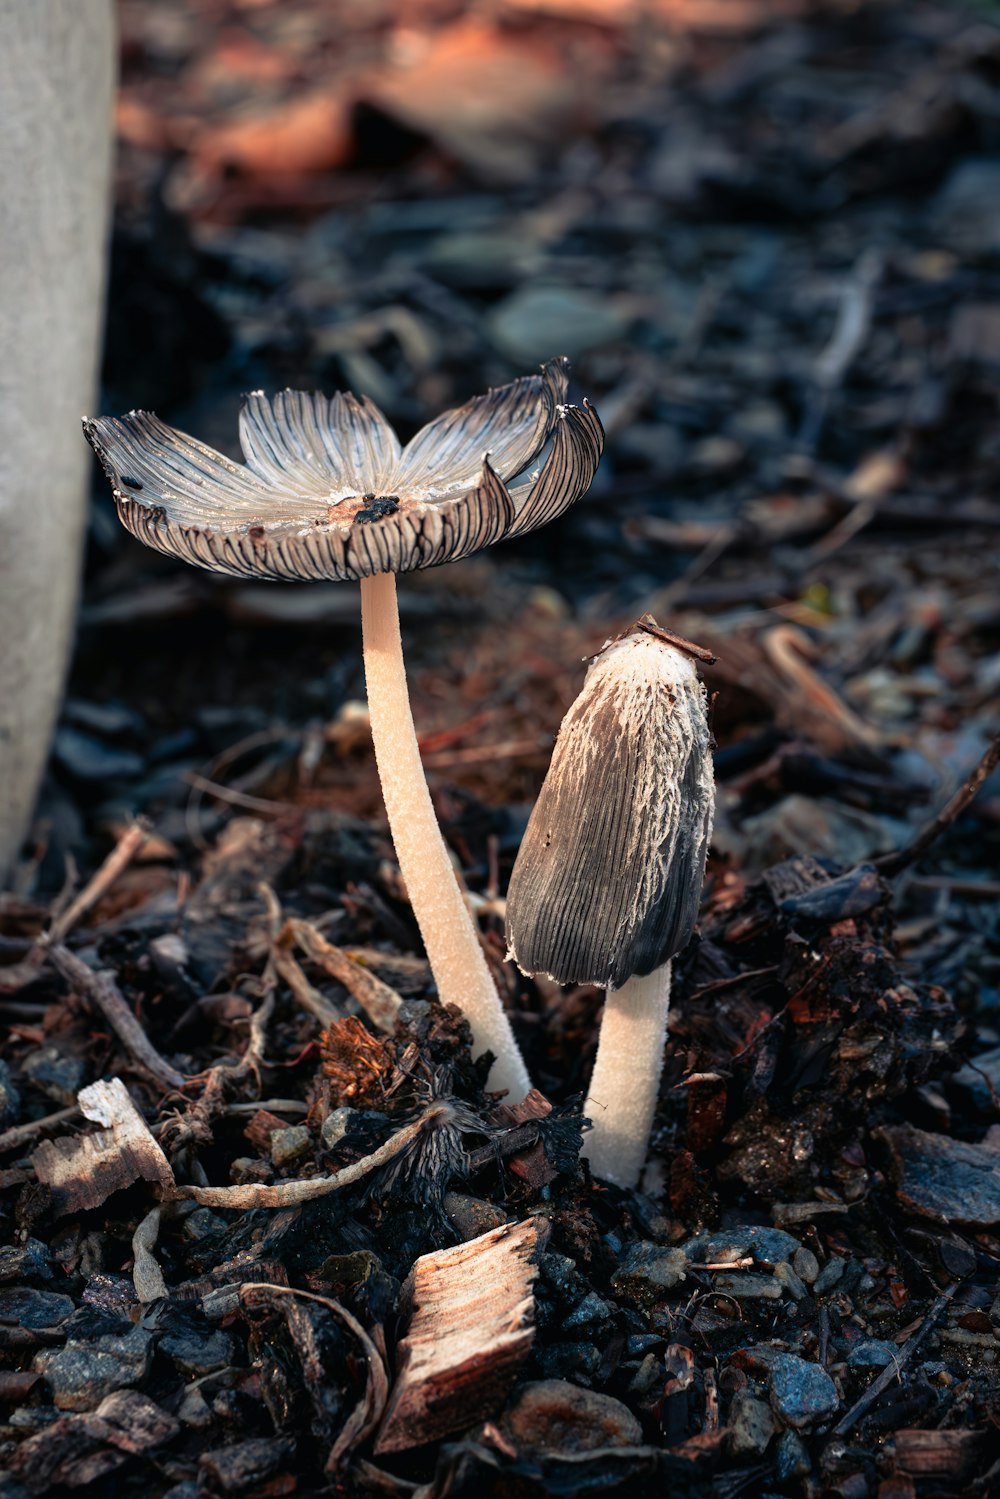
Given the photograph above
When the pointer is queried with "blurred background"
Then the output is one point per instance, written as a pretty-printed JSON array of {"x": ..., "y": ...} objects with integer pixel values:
[{"x": 768, "y": 237}]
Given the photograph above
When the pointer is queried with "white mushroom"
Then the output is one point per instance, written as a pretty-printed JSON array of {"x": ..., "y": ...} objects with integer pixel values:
[
  {"x": 328, "y": 492},
  {"x": 607, "y": 882}
]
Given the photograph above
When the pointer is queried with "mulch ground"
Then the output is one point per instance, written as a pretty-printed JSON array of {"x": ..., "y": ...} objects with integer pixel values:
[{"x": 769, "y": 239}]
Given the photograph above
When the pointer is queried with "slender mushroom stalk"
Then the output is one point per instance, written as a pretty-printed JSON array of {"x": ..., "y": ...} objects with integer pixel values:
[
  {"x": 633, "y": 1025},
  {"x": 450, "y": 939},
  {"x": 606, "y": 885},
  {"x": 327, "y": 492}
]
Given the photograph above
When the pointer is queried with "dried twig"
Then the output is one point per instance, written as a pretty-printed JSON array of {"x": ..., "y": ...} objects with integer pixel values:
[
  {"x": 368, "y": 1412},
  {"x": 892, "y": 1371},
  {"x": 146, "y": 1273},
  {"x": 380, "y": 1003},
  {"x": 292, "y": 1193},
  {"x": 20, "y": 1134},
  {"x": 194, "y": 1126},
  {"x": 894, "y": 863},
  {"x": 849, "y": 335},
  {"x": 479, "y": 754},
  {"x": 783, "y": 645},
  {"x": 310, "y": 999},
  {"x": 262, "y": 805},
  {"x": 17, "y": 975},
  {"x": 101, "y": 989},
  {"x": 100, "y": 882}
]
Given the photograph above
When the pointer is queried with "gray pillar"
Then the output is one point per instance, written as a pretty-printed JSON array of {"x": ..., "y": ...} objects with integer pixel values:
[{"x": 57, "y": 69}]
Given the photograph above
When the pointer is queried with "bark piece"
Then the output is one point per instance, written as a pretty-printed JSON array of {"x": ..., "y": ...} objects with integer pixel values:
[
  {"x": 471, "y": 1327},
  {"x": 531, "y": 1165},
  {"x": 83, "y": 1171},
  {"x": 950, "y": 1455}
]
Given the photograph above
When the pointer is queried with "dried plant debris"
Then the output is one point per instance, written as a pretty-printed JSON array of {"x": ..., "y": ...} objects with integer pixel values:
[
  {"x": 83, "y": 1172},
  {"x": 766, "y": 236},
  {"x": 471, "y": 1328}
]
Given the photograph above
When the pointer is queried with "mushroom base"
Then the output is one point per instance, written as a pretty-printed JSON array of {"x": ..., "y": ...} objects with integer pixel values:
[
  {"x": 445, "y": 922},
  {"x": 625, "y": 1085}
]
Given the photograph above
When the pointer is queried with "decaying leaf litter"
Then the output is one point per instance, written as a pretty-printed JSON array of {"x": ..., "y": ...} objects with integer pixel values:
[{"x": 772, "y": 253}]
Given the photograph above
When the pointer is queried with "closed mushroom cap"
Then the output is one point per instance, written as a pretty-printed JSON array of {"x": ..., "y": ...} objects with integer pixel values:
[
  {"x": 327, "y": 491},
  {"x": 608, "y": 879}
]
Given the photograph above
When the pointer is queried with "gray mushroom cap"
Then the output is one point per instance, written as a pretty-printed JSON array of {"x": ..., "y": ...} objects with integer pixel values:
[
  {"x": 327, "y": 490},
  {"x": 608, "y": 879}
]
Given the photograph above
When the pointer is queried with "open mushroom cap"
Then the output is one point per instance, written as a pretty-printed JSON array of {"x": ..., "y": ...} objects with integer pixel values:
[
  {"x": 608, "y": 879},
  {"x": 327, "y": 490}
]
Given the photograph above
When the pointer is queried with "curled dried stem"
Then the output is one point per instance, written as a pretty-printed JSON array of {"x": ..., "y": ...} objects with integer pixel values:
[{"x": 292, "y": 1193}]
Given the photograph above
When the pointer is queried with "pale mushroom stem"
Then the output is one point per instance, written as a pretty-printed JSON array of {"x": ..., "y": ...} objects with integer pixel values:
[
  {"x": 445, "y": 922},
  {"x": 626, "y": 1082}
]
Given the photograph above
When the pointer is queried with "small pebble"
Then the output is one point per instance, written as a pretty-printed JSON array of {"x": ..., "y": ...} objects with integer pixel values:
[
  {"x": 21, "y": 1261},
  {"x": 748, "y": 1287},
  {"x": 828, "y": 1277},
  {"x": 195, "y": 1411},
  {"x": 558, "y": 1270},
  {"x": 81, "y": 1374},
  {"x": 248, "y": 1465},
  {"x": 791, "y": 1457},
  {"x": 10, "y": 1098},
  {"x": 792, "y": 1283},
  {"x": 289, "y": 1144},
  {"x": 806, "y": 1265},
  {"x": 109, "y": 719},
  {"x": 26, "y": 1308},
  {"x": 87, "y": 758},
  {"x": 872, "y": 1353},
  {"x": 591, "y": 1311},
  {"x": 648, "y": 1376},
  {"x": 536, "y": 318},
  {"x": 249, "y": 1170},
  {"x": 647, "y": 1270},
  {"x": 196, "y": 1353},
  {"x": 553, "y": 1417},
  {"x": 767, "y": 1246},
  {"x": 169, "y": 954},
  {"x": 335, "y": 1126},
  {"x": 59, "y": 1077},
  {"x": 471, "y": 1215},
  {"x": 751, "y": 1425},
  {"x": 32, "y": 1418},
  {"x": 202, "y": 1222},
  {"x": 802, "y": 1394}
]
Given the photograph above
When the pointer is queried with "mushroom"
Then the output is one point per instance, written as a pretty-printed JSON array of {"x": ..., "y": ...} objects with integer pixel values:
[
  {"x": 328, "y": 492},
  {"x": 606, "y": 885}
]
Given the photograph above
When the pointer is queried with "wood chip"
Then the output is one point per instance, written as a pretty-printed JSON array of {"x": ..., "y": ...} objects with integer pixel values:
[
  {"x": 82, "y": 1171},
  {"x": 948, "y": 1455},
  {"x": 471, "y": 1328}
]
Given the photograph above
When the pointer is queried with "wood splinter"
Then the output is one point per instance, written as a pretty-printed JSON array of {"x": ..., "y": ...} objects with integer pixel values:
[{"x": 471, "y": 1327}]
